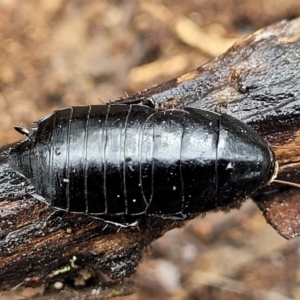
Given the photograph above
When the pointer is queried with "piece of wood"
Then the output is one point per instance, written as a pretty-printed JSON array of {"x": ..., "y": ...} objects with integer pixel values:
[
  {"x": 38, "y": 242},
  {"x": 256, "y": 81}
]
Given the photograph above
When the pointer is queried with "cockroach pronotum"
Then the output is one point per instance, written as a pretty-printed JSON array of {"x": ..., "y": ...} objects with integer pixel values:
[{"x": 131, "y": 160}]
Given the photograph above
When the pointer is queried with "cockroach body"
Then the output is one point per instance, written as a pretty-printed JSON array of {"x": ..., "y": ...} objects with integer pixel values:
[{"x": 131, "y": 160}]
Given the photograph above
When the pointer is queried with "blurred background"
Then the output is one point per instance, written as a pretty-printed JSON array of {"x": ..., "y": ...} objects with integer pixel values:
[{"x": 60, "y": 53}]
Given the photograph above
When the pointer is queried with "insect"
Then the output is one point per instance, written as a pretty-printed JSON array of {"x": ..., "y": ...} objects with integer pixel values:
[{"x": 132, "y": 160}]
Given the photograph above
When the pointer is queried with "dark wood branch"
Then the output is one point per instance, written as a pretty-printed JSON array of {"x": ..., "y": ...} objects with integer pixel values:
[
  {"x": 256, "y": 81},
  {"x": 37, "y": 241}
]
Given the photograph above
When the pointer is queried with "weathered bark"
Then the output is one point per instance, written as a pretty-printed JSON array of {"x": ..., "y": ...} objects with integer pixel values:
[
  {"x": 256, "y": 81},
  {"x": 37, "y": 241}
]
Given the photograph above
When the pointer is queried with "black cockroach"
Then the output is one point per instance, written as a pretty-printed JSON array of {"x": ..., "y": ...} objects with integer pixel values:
[{"x": 130, "y": 160}]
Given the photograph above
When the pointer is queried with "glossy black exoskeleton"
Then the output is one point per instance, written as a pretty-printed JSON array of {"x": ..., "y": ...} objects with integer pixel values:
[{"x": 111, "y": 160}]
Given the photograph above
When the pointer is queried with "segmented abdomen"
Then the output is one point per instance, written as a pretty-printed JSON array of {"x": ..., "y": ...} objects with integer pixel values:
[{"x": 131, "y": 160}]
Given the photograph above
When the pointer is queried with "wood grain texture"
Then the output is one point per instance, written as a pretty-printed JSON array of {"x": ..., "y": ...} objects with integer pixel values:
[{"x": 256, "y": 81}]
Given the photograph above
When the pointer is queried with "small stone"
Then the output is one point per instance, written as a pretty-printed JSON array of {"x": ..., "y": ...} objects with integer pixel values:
[{"x": 58, "y": 285}]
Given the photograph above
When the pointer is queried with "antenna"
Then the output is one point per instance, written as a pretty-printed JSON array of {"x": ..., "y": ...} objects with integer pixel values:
[{"x": 296, "y": 185}]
